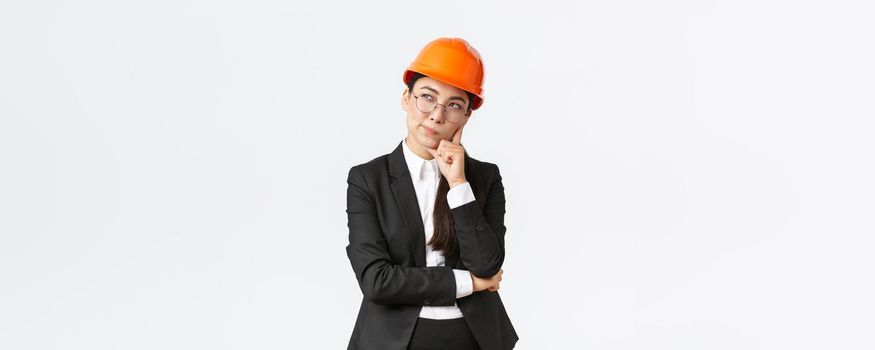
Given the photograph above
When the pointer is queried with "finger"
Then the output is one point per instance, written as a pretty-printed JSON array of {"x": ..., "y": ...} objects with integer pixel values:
[
  {"x": 450, "y": 157},
  {"x": 434, "y": 153},
  {"x": 457, "y": 136},
  {"x": 447, "y": 156},
  {"x": 439, "y": 151},
  {"x": 454, "y": 152},
  {"x": 443, "y": 145}
]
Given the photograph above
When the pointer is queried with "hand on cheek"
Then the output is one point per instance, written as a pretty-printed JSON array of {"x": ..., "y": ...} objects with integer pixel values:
[{"x": 450, "y": 156}]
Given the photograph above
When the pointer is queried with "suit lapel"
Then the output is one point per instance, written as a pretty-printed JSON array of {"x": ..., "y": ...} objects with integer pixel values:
[{"x": 405, "y": 198}]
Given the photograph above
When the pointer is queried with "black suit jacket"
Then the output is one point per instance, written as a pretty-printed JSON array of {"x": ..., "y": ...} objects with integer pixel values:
[{"x": 387, "y": 252}]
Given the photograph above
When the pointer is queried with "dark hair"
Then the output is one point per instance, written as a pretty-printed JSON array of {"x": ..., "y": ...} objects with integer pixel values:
[{"x": 444, "y": 237}]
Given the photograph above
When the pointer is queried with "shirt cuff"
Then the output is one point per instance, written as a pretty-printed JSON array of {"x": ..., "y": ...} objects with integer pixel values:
[
  {"x": 464, "y": 284},
  {"x": 460, "y": 195}
]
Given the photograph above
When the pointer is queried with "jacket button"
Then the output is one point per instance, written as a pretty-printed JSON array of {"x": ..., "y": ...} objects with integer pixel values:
[
  {"x": 425, "y": 302},
  {"x": 479, "y": 228}
]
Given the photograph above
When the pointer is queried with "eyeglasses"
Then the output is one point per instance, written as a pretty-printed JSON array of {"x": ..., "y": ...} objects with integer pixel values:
[{"x": 455, "y": 111}]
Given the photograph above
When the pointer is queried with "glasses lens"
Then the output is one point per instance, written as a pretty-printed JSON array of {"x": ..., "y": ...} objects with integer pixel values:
[
  {"x": 425, "y": 105},
  {"x": 455, "y": 115}
]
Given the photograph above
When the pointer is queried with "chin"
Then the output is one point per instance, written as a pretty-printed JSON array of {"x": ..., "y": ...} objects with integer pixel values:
[{"x": 427, "y": 141}]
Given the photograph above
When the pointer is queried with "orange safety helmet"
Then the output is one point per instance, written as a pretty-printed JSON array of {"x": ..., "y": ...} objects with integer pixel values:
[{"x": 452, "y": 61}]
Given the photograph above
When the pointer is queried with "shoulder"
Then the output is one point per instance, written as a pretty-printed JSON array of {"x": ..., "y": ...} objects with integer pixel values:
[
  {"x": 378, "y": 163},
  {"x": 485, "y": 174},
  {"x": 370, "y": 171},
  {"x": 483, "y": 166}
]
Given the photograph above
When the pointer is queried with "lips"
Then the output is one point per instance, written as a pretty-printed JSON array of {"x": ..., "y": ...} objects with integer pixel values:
[{"x": 429, "y": 131}]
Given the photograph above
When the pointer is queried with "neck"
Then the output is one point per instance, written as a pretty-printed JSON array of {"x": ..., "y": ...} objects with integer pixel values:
[{"x": 417, "y": 149}]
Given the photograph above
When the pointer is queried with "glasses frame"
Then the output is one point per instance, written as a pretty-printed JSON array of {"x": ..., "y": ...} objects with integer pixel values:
[{"x": 416, "y": 102}]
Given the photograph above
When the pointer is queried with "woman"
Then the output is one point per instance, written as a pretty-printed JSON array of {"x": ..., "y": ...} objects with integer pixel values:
[{"x": 426, "y": 221}]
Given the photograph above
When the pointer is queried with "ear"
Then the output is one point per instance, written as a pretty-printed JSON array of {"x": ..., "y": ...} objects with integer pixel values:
[{"x": 405, "y": 99}]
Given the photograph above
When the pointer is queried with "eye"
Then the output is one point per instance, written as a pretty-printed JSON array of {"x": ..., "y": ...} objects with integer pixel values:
[
  {"x": 456, "y": 105},
  {"x": 427, "y": 97}
]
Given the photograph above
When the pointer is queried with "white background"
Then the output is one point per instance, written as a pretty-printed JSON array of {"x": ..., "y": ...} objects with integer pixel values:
[{"x": 679, "y": 174}]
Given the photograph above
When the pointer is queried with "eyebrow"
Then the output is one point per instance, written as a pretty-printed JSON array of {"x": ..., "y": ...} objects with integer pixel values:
[{"x": 437, "y": 93}]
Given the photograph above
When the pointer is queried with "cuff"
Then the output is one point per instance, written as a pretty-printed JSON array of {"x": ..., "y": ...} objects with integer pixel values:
[
  {"x": 464, "y": 284},
  {"x": 460, "y": 195}
]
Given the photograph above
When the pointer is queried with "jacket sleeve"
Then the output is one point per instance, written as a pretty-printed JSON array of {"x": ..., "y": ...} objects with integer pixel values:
[
  {"x": 380, "y": 280},
  {"x": 480, "y": 233}
]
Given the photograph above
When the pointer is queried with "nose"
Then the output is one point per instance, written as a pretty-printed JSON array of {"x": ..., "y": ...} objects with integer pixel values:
[{"x": 440, "y": 111}]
